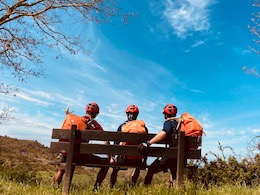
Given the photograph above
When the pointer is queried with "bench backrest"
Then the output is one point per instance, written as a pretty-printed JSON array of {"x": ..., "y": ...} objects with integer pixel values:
[{"x": 98, "y": 148}]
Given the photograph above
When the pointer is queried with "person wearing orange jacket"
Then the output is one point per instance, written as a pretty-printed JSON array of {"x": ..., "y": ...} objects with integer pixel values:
[
  {"x": 132, "y": 112},
  {"x": 92, "y": 110}
]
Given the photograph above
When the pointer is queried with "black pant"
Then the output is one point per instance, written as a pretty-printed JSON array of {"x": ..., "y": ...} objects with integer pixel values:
[
  {"x": 134, "y": 176},
  {"x": 161, "y": 164}
]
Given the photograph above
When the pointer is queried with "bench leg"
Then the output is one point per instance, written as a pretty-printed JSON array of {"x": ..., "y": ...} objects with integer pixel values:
[
  {"x": 69, "y": 169},
  {"x": 67, "y": 180},
  {"x": 180, "y": 159}
]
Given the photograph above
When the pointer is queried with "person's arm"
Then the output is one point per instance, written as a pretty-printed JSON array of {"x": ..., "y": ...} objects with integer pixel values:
[
  {"x": 158, "y": 137},
  {"x": 146, "y": 130},
  {"x": 67, "y": 110},
  {"x": 167, "y": 127},
  {"x": 119, "y": 129}
]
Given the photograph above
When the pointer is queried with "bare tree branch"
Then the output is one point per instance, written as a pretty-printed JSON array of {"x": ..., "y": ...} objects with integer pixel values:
[
  {"x": 8, "y": 89},
  {"x": 27, "y": 27},
  {"x": 19, "y": 46},
  {"x": 254, "y": 29},
  {"x": 5, "y": 114}
]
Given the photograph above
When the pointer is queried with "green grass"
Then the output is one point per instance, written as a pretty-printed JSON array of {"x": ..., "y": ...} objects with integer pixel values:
[{"x": 83, "y": 185}]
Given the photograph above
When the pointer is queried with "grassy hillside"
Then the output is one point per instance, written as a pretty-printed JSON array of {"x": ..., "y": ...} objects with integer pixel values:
[{"x": 24, "y": 153}]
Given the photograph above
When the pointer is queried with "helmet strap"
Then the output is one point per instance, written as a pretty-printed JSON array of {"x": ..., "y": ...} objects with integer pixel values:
[
  {"x": 131, "y": 116},
  {"x": 91, "y": 116}
]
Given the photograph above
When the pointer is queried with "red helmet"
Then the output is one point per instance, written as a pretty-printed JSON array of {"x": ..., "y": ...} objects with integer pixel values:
[
  {"x": 170, "y": 109},
  {"x": 92, "y": 108},
  {"x": 132, "y": 109}
]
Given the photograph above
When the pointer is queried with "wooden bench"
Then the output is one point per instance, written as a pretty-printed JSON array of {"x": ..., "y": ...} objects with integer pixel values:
[{"x": 181, "y": 150}]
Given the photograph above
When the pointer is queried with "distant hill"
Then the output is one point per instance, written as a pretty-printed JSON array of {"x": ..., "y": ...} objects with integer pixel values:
[{"x": 31, "y": 155}]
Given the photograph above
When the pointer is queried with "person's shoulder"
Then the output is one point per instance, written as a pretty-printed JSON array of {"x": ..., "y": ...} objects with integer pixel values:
[
  {"x": 94, "y": 121},
  {"x": 97, "y": 125},
  {"x": 120, "y": 126},
  {"x": 124, "y": 123},
  {"x": 170, "y": 123},
  {"x": 167, "y": 122}
]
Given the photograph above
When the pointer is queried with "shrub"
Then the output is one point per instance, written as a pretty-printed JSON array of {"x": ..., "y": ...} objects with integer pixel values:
[
  {"x": 18, "y": 174},
  {"x": 229, "y": 170}
]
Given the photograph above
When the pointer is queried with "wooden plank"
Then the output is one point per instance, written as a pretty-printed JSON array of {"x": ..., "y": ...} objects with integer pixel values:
[
  {"x": 104, "y": 136},
  {"x": 126, "y": 150},
  {"x": 123, "y": 166},
  {"x": 113, "y": 149},
  {"x": 69, "y": 167},
  {"x": 194, "y": 154},
  {"x": 180, "y": 159},
  {"x": 56, "y": 147},
  {"x": 193, "y": 141},
  {"x": 60, "y": 134},
  {"x": 116, "y": 136},
  {"x": 119, "y": 136}
]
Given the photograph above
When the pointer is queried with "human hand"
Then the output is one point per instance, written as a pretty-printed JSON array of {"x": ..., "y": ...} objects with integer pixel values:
[
  {"x": 112, "y": 160},
  {"x": 67, "y": 110},
  {"x": 143, "y": 147}
]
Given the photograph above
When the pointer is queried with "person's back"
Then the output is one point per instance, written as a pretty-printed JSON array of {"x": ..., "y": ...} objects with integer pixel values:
[
  {"x": 92, "y": 110},
  {"x": 135, "y": 126},
  {"x": 162, "y": 164}
]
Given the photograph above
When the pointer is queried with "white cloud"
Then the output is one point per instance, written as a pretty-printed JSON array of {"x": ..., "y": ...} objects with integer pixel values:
[
  {"x": 88, "y": 62},
  {"x": 218, "y": 132},
  {"x": 114, "y": 109},
  {"x": 197, "y": 91},
  {"x": 33, "y": 127},
  {"x": 256, "y": 131},
  {"x": 197, "y": 43},
  {"x": 205, "y": 121},
  {"x": 42, "y": 94},
  {"x": 35, "y": 96},
  {"x": 187, "y": 16},
  {"x": 31, "y": 99}
]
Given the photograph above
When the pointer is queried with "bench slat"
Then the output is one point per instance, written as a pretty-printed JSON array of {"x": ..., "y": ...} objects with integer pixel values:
[
  {"x": 56, "y": 147},
  {"x": 126, "y": 150},
  {"x": 118, "y": 136},
  {"x": 122, "y": 166},
  {"x": 123, "y": 150}
]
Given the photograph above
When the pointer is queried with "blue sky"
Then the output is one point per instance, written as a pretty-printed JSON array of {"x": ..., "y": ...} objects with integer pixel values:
[{"x": 186, "y": 52}]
